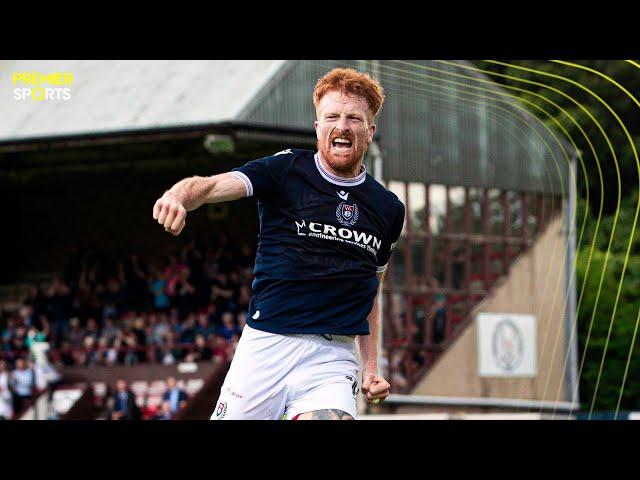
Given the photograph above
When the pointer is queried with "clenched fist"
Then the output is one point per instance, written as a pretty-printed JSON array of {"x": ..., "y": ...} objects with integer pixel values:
[
  {"x": 375, "y": 387},
  {"x": 170, "y": 213}
]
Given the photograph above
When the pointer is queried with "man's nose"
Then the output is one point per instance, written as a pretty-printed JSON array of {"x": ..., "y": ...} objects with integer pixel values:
[{"x": 343, "y": 124}]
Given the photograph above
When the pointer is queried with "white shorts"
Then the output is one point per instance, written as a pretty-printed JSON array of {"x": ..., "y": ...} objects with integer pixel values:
[{"x": 274, "y": 376}]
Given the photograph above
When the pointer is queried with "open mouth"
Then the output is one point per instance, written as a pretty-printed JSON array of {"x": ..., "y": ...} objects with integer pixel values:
[{"x": 341, "y": 143}]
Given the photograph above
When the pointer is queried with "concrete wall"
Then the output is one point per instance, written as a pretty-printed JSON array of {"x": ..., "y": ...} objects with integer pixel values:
[
  {"x": 131, "y": 373},
  {"x": 535, "y": 285}
]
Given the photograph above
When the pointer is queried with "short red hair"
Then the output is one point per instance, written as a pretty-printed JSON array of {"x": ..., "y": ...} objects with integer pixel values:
[{"x": 351, "y": 82}]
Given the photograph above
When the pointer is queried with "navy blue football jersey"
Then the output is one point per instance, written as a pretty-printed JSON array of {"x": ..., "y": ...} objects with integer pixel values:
[{"x": 322, "y": 240}]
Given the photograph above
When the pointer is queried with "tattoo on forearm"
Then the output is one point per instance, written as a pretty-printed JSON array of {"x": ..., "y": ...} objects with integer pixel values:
[{"x": 331, "y": 414}]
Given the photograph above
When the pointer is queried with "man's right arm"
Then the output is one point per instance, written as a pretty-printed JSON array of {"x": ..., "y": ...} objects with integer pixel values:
[{"x": 190, "y": 193}]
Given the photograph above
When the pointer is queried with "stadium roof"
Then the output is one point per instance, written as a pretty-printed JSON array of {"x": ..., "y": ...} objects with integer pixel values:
[
  {"x": 442, "y": 122},
  {"x": 130, "y": 95}
]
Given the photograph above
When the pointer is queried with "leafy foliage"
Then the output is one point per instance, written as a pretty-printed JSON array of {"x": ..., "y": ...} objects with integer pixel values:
[{"x": 603, "y": 125}]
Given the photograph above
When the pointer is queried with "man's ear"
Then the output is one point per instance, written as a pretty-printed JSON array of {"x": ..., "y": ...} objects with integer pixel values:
[{"x": 372, "y": 130}]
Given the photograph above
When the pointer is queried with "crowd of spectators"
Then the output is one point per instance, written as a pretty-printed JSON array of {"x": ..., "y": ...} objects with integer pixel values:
[
  {"x": 122, "y": 404},
  {"x": 110, "y": 309}
]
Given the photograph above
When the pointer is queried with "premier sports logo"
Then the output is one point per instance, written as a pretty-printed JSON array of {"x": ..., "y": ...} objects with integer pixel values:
[
  {"x": 346, "y": 214},
  {"x": 34, "y": 86}
]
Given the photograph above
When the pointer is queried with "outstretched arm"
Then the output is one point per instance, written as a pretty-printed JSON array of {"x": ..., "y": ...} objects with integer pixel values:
[
  {"x": 375, "y": 387},
  {"x": 190, "y": 193}
]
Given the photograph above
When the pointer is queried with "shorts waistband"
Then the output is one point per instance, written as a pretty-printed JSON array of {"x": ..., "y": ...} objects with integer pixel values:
[{"x": 349, "y": 339}]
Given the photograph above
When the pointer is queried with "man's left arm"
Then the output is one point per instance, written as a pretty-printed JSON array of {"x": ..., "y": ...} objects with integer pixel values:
[{"x": 374, "y": 387}]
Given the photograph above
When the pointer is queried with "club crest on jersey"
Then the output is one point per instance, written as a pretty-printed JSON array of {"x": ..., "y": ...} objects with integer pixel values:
[{"x": 346, "y": 214}]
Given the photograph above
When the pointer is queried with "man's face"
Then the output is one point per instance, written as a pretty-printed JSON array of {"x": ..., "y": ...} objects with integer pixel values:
[
  {"x": 171, "y": 382},
  {"x": 121, "y": 385},
  {"x": 344, "y": 130}
]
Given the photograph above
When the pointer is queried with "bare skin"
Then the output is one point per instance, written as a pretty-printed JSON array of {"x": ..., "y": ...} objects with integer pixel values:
[
  {"x": 346, "y": 117},
  {"x": 171, "y": 209},
  {"x": 374, "y": 387}
]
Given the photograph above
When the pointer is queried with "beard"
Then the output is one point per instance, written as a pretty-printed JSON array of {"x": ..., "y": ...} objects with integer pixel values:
[{"x": 346, "y": 164}]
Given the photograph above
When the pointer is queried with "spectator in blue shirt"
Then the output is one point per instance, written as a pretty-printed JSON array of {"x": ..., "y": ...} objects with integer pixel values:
[
  {"x": 159, "y": 290},
  {"x": 229, "y": 328},
  {"x": 174, "y": 396}
]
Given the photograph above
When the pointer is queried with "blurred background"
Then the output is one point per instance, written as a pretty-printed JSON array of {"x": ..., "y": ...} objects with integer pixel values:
[{"x": 512, "y": 293}]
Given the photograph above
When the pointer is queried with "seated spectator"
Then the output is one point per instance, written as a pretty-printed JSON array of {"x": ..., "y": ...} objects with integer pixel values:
[
  {"x": 6, "y": 397},
  {"x": 165, "y": 412},
  {"x": 229, "y": 328},
  {"x": 92, "y": 329},
  {"x": 65, "y": 355},
  {"x": 34, "y": 336},
  {"x": 88, "y": 356},
  {"x": 204, "y": 326},
  {"x": 130, "y": 340},
  {"x": 9, "y": 330},
  {"x": 221, "y": 293},
  {"x": 160, "y": 330},
  {"x": 110, "y": 331},
  {"x": 18, "y": 347},
  {"x": 158, "y": 288},
  {"x": 23, "y": 384},
  {"x": 176, "y": 397},
  {"x": 75, "y": 335},
  {"x": 124, "y": 403},
  {"x": 111, "y": 298},
  {"x": 61, "y": 302},
  {"x": 46, "y": 375},
  {"x": 201, "y": 351},
  {"x": 219, "y": 348},
  {"x": 170, "y": 354},
  {"x": 111, "y": 354},
  {"x": 188, "y": 333}
]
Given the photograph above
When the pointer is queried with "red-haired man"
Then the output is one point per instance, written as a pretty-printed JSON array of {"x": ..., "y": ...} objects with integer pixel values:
[{"x": 327, "y": 229}]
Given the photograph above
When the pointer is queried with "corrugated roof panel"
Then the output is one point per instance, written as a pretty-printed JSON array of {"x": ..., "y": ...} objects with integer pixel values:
[
  {"x": 441, "y": 123},
  {"x": 129, "y": 94}
]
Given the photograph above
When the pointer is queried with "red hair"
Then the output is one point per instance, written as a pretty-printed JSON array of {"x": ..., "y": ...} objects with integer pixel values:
[{"x": 351, "y": 82}]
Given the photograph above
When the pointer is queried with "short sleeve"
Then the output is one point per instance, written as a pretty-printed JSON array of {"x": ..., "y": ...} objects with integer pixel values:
[
  {"x": 391, "y": 239},
  {"x": 264, "y": 177}
]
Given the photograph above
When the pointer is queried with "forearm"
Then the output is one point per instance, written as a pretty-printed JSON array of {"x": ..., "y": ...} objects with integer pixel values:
[
  {"x": 193, "y": 192},
  {"x": 368, "y": 344}
]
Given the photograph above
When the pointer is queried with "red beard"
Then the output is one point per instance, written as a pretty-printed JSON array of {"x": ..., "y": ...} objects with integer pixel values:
[{"x": 344, "y": 164}]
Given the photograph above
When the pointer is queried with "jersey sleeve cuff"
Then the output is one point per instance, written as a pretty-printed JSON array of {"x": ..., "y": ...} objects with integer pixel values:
[
  {"x": 247, "y": 183},
  {"x": 382, "y": 268}
]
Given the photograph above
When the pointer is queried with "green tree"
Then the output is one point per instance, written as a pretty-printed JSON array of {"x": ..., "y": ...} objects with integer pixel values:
[{"x": 626, "y": 185}]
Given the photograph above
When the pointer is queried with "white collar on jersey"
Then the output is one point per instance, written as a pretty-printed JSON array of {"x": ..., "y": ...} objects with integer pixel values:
[{"x": 344, "y": 181}]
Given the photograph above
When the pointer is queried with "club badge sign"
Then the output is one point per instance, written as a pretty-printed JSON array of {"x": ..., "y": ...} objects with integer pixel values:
[{"x": 506, "y": 345}]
